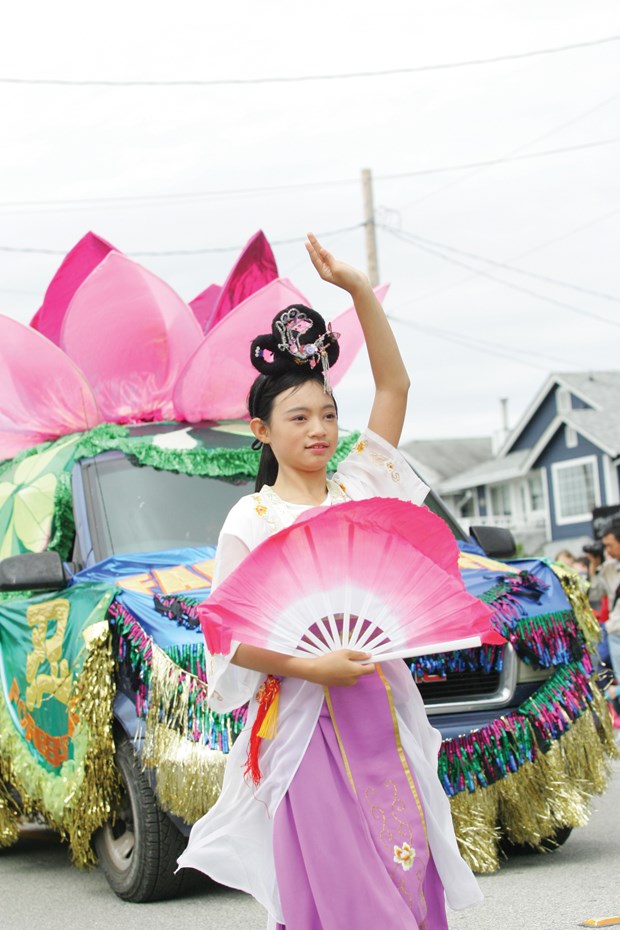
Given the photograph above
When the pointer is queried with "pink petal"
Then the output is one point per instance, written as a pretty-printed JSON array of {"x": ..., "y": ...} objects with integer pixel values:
[
  {"x": 76, "y": 266},
  {"x": 203, "y": 304},
  {"x": 131, "y": 334},
  {"x": 215, "y": 382},
  {"x": 255, "y": 267},
  {"x": 43, "y": 394}
]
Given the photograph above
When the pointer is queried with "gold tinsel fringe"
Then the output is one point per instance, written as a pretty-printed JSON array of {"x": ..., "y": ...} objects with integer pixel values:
[
  {"x": 95, "y": 800},
  {"x": 475, "y": 823},
  {"x": 9, "y": 812},
  {"x": 576, "y": 593},
  {"x": 188, "y": 774},
  {"x": 528, "y": 806},
  {"x": 82, "y": 800}
]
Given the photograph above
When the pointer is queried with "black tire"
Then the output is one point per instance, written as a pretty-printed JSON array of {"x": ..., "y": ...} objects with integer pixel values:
[
  {"x": 549, "y": 844},
  {"x": 138, "y": 852}
]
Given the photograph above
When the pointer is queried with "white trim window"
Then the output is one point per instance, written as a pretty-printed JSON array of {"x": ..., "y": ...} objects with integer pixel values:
[{"x": 576, "y": 489}]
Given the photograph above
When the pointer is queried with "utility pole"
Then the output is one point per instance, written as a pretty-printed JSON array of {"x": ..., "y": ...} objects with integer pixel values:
[{"x": 369, "y": 226}]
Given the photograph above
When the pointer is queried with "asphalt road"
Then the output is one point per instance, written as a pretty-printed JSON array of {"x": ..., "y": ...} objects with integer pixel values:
[{"x": 40, "y": 890}]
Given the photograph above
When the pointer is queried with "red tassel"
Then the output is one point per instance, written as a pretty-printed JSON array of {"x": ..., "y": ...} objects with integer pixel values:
[{"x": 267, "y": 694}]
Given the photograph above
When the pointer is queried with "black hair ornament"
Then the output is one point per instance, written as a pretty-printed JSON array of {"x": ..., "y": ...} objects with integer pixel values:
[{"x": 299, "y": 336}]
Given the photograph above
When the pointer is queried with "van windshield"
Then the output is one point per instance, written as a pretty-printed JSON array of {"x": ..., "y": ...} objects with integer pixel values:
[
  {"x": 143, "y": 509},
  {"x": 133, "y": 509}
]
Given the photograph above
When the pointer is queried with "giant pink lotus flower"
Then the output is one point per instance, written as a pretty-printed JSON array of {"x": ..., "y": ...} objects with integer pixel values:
[{"x": 112, "y": 342}]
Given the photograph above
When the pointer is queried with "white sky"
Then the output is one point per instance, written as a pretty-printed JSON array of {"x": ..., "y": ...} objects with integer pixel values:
[{"x": 557, "y": 215}]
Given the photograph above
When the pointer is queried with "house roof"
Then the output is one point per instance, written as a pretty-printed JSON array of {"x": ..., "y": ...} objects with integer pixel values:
[
  {"x": 599, "y": 427},
  {"x": 438, "y": 459},
  {"x": 491, "y": 471},
  {"x": 599, "y": 389},
  {"x": 453, "y": 465}
]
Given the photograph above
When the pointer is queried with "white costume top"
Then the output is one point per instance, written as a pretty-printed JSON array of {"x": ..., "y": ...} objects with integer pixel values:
[{"x": 233, "y": 842}]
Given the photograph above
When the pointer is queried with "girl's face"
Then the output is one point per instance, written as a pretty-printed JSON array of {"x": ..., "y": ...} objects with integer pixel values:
[{"x": 303, "y": 428}]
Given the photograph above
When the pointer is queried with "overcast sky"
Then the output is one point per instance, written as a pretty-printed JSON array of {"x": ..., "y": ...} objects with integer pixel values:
[{"x": 172, "y": 168}]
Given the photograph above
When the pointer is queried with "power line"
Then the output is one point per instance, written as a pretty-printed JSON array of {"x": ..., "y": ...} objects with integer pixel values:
[
  {"x": 530, "y": 274},
  {"x": 500, "y": 161},
  {"x": 287, "y": 188},
  {"x": 223, "y": 82},
  {"x": 462, "y": 340},
  {"x": 531, "y": 251},
  {"x": 487, "y": 274},
  {"x": 205, "y": 251},
  {"x": 514, "y": 151}
]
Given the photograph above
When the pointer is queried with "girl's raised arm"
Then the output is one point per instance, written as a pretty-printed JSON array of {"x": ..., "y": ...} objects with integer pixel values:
[{"x": 389, "y": 373}]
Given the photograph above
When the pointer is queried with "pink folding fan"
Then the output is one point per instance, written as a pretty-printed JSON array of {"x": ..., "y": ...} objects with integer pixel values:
[{"x": 376, "y": 575}]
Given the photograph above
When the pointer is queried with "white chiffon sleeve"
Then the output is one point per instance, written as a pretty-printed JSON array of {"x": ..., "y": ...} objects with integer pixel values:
[
  {"x": 374, "y": 468},
  {"x": 229, "y": 686}
]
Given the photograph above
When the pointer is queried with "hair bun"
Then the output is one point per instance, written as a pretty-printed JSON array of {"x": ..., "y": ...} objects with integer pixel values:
[{"x": 299, "y": 336}]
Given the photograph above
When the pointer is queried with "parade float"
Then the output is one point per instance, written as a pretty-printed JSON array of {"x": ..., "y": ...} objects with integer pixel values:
[{"x": 122, "y": 446}]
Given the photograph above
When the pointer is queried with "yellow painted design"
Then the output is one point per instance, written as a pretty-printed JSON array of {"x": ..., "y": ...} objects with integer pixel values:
[
  {"x": 41, "y": 617},
  {"x": 475, "y": 562}
]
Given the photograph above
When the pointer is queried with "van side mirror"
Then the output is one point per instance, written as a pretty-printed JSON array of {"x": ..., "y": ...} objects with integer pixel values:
[
  {"x": 33, "y": 571},
  {"x": 497, "y": 541}
]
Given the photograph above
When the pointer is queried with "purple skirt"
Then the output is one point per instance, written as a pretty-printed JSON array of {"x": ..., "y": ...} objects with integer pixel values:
[{"x": 350, "y": 841}]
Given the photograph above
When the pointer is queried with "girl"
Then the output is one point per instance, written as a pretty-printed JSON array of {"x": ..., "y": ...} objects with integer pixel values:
[{"x": 349, "y": 825}]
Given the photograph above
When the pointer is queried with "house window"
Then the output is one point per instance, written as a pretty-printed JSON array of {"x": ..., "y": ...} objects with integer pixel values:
[
  {"x": 537, "y": 494},
  {"x": 500, "y": 500},
  {"x": 575, "y": 489}
]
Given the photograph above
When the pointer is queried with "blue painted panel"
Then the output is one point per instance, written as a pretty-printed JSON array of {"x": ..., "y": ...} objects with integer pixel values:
[
  {"x": 538, "y": 423},
  {"x": 541, "y": 418},
  {"x": 578, "y": 404},
  {"x": 556, "y": 451}
]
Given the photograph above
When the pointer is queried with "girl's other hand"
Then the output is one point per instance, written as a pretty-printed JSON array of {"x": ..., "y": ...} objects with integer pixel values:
[
  {"x": 341, "y": 668},
  {"x": 335, "y": 272}
]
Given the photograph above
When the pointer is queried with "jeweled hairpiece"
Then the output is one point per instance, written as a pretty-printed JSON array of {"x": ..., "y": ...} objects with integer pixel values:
[{"x": 291, "y": 343}]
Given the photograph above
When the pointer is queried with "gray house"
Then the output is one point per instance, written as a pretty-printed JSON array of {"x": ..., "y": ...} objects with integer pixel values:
[{"x": 560, "y": 462}]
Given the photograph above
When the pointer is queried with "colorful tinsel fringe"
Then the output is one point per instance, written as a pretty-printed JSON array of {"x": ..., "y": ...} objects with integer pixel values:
[
  {"x": 531, "y": 772},
  {"x": 185, "y": 742}
]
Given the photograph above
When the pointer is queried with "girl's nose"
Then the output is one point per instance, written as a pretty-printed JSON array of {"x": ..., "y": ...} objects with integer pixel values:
[{"x": 317, "y": 427}]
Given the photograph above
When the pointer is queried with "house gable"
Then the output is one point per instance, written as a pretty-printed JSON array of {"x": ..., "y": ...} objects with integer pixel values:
[{"x": 545, "y": 407}]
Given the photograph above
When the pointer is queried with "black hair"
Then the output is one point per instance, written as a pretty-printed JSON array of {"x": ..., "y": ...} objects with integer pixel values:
[
  {"x": 298, "y": 337},
  {"x": 299, "y": 348},
  {"x": 612, "y": 527},
  {"x": 261, "y": 399},
  {"x": 596, "y": 548}
]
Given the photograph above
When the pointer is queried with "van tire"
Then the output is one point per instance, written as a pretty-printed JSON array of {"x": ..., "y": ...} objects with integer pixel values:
[{"x": 139, "y": 847}]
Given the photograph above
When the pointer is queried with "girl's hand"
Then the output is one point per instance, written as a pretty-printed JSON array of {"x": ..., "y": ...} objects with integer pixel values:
[
  {"x": 341, "y": 668},
  {"x": 333, "y": 271}
]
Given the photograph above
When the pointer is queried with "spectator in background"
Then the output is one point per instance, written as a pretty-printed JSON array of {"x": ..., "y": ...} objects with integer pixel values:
[
  {"x": 610, "y": 573},
  {"x": 565, "y": 558},
  {"x": 595, "y": 553}
]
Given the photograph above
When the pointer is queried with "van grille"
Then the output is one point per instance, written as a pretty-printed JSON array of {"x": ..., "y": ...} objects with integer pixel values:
[
  {"x": 459, "y": 686},
  {"x": 459, "y": 690}
]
